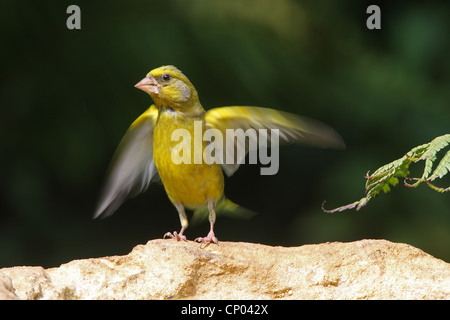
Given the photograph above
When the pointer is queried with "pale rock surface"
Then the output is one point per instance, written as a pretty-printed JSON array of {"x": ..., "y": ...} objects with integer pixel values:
[{"x": 166, "y": 269}]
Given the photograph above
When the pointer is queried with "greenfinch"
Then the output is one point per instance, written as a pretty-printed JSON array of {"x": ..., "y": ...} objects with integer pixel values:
[{"x": 145, "y": 153}]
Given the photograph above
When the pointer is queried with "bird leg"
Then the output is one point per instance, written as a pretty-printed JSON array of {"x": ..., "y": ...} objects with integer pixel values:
[
  {"x": 211, "y": 237},
  {"x": 184, "y": 224}
]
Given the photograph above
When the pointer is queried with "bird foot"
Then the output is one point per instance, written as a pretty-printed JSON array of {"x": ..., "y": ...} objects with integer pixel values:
[
  {"x": 210, "y": 238},
  {"x": 175, "y": 235}
]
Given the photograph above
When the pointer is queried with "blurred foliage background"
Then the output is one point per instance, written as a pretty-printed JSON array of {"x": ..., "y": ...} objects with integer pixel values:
[{"x": 67, "y": 97}]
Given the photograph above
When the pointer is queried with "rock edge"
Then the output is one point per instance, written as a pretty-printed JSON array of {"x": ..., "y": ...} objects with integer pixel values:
[{"x": 166, "y": 269}]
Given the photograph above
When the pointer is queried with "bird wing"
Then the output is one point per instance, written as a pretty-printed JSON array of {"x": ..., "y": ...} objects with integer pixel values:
[
  {"x": 292, "y": 128},
  {"x": 132, "y": 167}
]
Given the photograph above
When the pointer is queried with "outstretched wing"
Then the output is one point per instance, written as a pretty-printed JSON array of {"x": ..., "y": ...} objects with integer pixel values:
[
  {"x": 292, "y": 128},
  {"x": 132, "y": 167}
]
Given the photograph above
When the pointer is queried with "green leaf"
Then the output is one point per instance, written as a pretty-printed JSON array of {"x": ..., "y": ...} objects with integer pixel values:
[
  {"x": 386, "y": 176},
  {"x": 442, "y": 168}
]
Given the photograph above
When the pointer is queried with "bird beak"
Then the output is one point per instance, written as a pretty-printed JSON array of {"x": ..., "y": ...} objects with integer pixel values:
[{"x": 149, "y": 85}]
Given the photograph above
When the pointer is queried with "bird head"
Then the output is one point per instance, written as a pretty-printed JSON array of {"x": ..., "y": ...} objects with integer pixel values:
[{"x": 169, "y": 87}]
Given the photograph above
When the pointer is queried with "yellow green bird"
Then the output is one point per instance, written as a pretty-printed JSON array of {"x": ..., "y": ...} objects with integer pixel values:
[{"x": 146, "y": 151}]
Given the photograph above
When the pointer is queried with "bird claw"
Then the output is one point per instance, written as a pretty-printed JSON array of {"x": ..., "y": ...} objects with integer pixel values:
[
  {"x": 210, "y": 238},
  {"x": 175, "y": 235}
]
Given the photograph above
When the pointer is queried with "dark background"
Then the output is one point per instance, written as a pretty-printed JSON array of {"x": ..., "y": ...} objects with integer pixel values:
[{"x": 67, "y": 97}]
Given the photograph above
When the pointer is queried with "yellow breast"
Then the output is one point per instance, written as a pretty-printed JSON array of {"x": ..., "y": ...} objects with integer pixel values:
[{"x": 188, "y": 182}]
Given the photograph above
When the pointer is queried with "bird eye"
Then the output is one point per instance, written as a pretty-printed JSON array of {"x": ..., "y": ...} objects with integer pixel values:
[{"x": 166, "y": 77}]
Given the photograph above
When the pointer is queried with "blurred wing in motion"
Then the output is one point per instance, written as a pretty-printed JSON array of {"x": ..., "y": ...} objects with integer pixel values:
[
  {"x": 132, "y": 167},
  {"x": 292, "y": 128}
]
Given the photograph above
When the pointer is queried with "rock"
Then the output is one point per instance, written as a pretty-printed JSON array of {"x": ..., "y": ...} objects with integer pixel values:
[
  {"x": 6, "y": 288},
  {"x": 166, "y": 269}
]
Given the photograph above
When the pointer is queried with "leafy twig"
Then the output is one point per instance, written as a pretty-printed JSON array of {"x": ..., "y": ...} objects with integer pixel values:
[{"x": 386, "y": 176}]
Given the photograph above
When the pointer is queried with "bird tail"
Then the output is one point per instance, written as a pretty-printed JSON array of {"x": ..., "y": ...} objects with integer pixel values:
[{"x": 224, "y": 207}]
